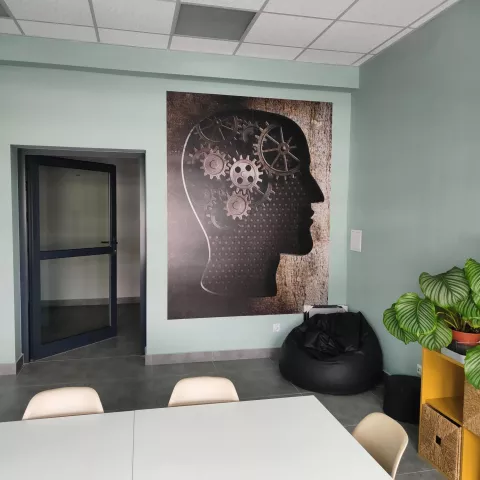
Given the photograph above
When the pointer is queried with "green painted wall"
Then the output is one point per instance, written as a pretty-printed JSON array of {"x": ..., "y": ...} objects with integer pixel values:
[
  {"x": 66, "y": 108},
  {"x": 415, "y": 167},
  {"x": 19, "y": 50}
]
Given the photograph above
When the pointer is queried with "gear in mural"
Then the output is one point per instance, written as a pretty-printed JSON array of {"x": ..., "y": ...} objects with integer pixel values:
[
  {"x": 198, "y": 154},
  {"x": 275, "y": 152},
  {"x": 217, "y": 130},
  {"x": 237, "y": 206},
  {"x": 248, "y": 130},
  {"x": 214, "y": 164},
  {"x": 244, "y": 174},
  {"x": 263, "y": 192},
  {"x": 217, "y": 219}
]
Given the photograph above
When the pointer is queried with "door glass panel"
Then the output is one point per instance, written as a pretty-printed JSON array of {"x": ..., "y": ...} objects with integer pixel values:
[
  {"x": 74, "y": 208},
  {"x": 74, "y": 296}
]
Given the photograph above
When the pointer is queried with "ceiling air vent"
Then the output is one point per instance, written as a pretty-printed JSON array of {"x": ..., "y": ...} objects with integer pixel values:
[{"x": 211, "y": 22}]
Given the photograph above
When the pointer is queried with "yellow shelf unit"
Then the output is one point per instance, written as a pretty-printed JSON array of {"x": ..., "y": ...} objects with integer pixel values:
[
  {"x": 450, "y": 407},
  {"x": 443, "y": 381}
]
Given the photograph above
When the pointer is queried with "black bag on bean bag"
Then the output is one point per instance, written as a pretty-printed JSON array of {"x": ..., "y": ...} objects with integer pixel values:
[{"x": 336, "y": 353}]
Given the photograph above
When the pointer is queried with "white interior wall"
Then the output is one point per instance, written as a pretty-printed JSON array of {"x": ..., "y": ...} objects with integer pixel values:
[{"x": 74, "y": 214}]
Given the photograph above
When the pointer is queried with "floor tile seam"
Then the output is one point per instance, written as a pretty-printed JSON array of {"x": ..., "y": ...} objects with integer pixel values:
[
  {"x": 42, "y": 361},
  {"x": 418, "y": 471}
]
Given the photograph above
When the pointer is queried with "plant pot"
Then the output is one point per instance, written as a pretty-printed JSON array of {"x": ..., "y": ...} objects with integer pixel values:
[{"x": 466, "y": 338}]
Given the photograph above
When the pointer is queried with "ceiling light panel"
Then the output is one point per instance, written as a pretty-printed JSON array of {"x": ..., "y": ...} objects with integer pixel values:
[
  {"x": 52, "y": 30},
  {"x": 204, "y": 45},
  {"x": 238, "y": 4},
  {"x": 150, "y": 16},
  {"x": 310, "y": 8},
  {"x": 354, "y": 37},
  {"x": 73, "y": 12},
  {"x": 273, "y": 29},
  {"x": 325, "y": 56},
  {"x": 268, "y": 51},
  {"x": 391, "y": 12},
  {"x": 212, "y": 22},
  {"x": 7, "y": 25},
  {"x": 433, "y": 13},
  {"x": 133, "y": 39}
]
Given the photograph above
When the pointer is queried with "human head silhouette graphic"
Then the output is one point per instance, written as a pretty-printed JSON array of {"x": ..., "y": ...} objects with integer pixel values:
[{"x": 247, "y": 177}]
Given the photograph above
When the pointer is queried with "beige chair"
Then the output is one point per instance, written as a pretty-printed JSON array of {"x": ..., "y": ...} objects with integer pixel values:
[
  {"x": 201, "y": 390},
  {"x": 384, "y": 439},
  {"x": 63, "y": 402}
]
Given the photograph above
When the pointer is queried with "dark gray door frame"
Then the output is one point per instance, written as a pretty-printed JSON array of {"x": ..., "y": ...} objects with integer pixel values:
[{"x": 97, "y": 155}]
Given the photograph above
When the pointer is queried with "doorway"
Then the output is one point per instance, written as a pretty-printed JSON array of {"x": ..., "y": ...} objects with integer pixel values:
[{"x": 84, "y": 254}]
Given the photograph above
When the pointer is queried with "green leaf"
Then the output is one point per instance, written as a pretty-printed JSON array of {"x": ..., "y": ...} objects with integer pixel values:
[
  {"x": 472, "y": 366},
  {"x": 445, "y": 289},
  {"x": 472, "y": 272},
  {"x": 440, "y": 337},
  {"x": 469, "y": 311},
  {"x": 475, "y": 298},
  {"x": 416, "y": 315},
  {"x": 391, "y": 324}
]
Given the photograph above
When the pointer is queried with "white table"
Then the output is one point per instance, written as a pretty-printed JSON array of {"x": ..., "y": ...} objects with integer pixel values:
[
  {"x": 281, "y": 439},
  {"x": 90, "y": 447},
  {"x": 285, "y": 439}
]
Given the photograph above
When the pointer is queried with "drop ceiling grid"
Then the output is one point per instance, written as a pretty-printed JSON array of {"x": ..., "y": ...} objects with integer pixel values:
[{"x": 329, "y": 30}]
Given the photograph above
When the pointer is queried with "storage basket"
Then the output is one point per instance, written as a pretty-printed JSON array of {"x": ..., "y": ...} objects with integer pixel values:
[{"x": 440, "y": 442}]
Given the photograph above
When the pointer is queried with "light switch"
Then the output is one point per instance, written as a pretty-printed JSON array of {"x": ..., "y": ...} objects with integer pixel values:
[{"x": 356, "y": 240}]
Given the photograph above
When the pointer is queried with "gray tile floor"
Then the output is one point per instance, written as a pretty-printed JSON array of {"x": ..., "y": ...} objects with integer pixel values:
[{"x": 125, "y": 383}]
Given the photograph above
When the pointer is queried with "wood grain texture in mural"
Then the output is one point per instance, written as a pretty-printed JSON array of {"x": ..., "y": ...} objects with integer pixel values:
[{"x": 248, "y": 205}]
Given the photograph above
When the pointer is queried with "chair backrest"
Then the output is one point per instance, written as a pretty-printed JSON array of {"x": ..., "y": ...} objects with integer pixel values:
[
  {"x": 63, "y": 402},
  {"x": 384, "y": 439},
  {"x": 201, "y": 390}
]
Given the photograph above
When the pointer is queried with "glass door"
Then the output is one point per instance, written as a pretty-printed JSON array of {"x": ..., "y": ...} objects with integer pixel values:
[{"x": 72, "y": 250}]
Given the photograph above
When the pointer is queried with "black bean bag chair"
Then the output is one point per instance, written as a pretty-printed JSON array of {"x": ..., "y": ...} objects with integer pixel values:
[{"x": 336, "y": 353}]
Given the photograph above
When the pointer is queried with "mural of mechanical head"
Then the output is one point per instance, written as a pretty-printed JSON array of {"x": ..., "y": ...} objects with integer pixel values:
[{"x": 247, "y": 177}]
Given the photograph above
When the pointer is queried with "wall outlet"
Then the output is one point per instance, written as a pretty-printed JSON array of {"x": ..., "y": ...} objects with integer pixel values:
[
  {"x": 419, "y": 370},
  {"x": 276, "y": 327}
]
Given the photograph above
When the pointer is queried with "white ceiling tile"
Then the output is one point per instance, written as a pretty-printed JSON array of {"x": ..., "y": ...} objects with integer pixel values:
[
  {"x": 309, "y": 8},
  {"x": 354, "y": 37},
  {"x": 54, "y": 30},
  {"x": 392, "y": 40},
  {"x": 434, "y": 13},
  {"x": 151, "y": 16},
  {"x": 238, "y": 4},
  {"x": 390, "y": 12},
  {"x": 134, "y": 39},
  {"x": 363, "y": 60},
  {"x": 268, "y": 51},
  {"x": 326, "y": 56},
  {"x": 76, "y": 12},
  {"x": 204, "y": 45},
  {"x": 290, "y": 31},
  {"x": 7, "y": 25}
]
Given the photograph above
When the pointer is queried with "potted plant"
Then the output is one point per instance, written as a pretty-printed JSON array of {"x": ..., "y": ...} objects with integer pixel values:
[{"x": 450, "y": 310}]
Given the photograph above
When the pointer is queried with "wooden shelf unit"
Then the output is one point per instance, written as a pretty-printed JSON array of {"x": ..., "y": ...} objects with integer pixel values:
[{"x": 443, "y": 381}]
